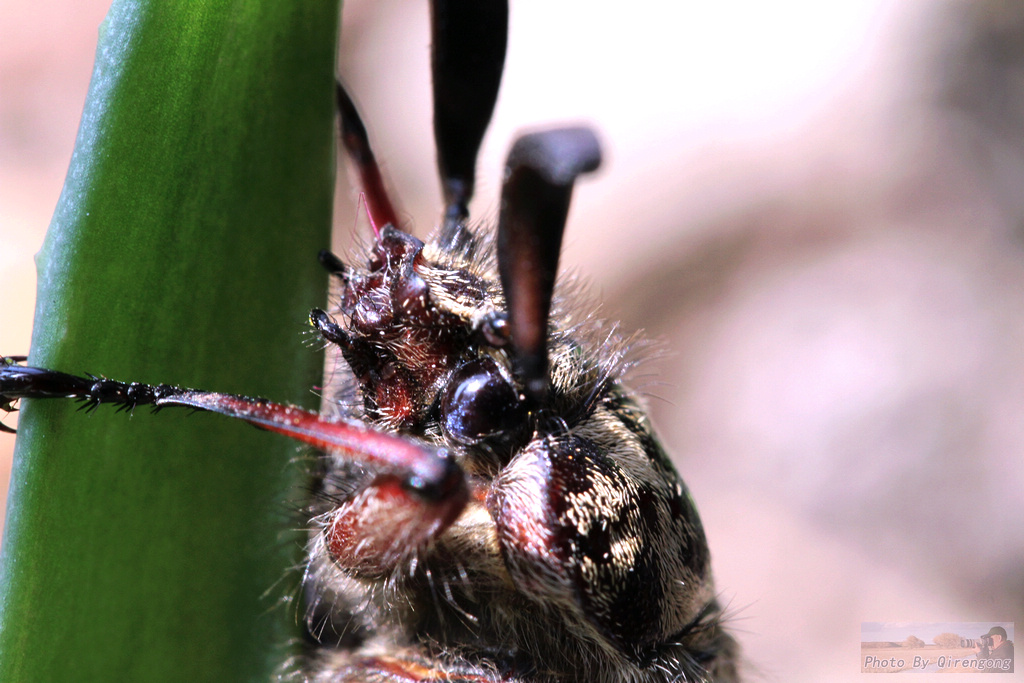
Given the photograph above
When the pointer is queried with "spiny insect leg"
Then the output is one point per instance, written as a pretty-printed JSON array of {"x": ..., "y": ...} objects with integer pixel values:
[
  {"x": 416, "y": 470},
  {"x": 357, "y": 144},
  {"x": 468, "y": 40},
  {"x": 19, "y": 381},
  {"x": 539, "y": 177}
]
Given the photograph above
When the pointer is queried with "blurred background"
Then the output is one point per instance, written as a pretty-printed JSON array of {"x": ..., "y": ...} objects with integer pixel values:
[{"x": 817, "y": 207}]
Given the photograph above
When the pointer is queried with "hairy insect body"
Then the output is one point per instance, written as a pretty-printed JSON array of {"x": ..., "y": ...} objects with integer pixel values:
[
  {"x": 578, "y": 554},
  {"x": 493, "y": 504}
]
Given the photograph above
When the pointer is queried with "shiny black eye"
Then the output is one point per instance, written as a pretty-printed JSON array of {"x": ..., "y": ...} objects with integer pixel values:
[{"x": 479, "y": 402}]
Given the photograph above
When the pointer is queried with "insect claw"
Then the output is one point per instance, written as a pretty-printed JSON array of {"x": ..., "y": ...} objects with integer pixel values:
[{"x": 7, "y": 402}]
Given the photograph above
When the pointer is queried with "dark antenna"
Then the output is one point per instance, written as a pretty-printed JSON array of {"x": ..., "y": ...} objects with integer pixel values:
[
  {"x": 468, "y": 56},
  {"x": 539, "y": 177}
]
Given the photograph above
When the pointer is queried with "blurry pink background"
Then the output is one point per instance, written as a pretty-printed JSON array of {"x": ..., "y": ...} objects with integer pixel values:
[{"x": 817, "y": 206}]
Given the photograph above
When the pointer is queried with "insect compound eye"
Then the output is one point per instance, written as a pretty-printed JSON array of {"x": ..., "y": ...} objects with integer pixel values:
[{"x": 479, "y": 402}]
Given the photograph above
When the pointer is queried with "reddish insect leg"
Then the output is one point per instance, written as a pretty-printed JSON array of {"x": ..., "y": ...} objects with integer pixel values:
[
  {"x": 417, "y": 493},
  {"x": 371, "y": 534},
  {"x": 353, "y": 137}
]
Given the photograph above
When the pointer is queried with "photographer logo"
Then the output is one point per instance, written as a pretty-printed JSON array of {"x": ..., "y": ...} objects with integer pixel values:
[{"x": 940, "y": 647}]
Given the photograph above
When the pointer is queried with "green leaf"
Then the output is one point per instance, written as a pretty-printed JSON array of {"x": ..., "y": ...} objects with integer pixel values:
[{"x": 183, "y": 250}]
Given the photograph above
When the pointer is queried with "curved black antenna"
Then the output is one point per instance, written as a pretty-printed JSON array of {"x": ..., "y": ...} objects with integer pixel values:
[
  {"x": 539, "y": 177},
  {"x": 468, "y": 56}
]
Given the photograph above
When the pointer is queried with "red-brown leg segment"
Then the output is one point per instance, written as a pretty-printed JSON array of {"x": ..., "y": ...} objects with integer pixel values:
[
  {"x": 383, "y": 524},
  {"x": 417, "y": 493}
]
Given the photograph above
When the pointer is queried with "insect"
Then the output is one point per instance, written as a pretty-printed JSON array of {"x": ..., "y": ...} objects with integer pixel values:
[{"x": 493, "y": 503}]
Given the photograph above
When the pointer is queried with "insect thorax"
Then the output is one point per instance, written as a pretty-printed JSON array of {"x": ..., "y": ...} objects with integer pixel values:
[{"x": 580, "y": 548}]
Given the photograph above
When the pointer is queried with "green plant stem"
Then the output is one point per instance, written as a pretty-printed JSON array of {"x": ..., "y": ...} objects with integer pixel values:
[{"x": 183, "y": 250}]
